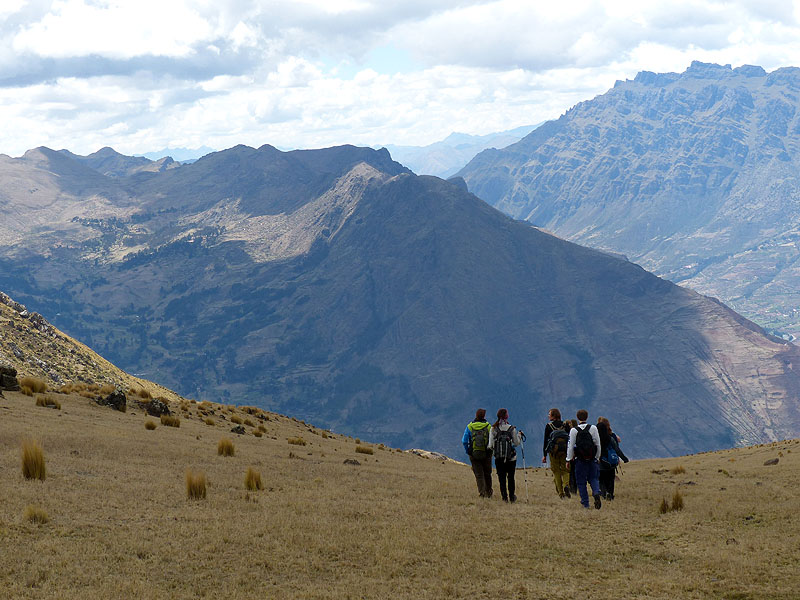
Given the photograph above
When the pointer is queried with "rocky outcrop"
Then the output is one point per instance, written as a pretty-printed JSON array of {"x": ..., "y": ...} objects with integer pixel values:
[
  {"x": 115, "y": 400},
  {"x": 156, "y": 407},
  {"x": 693, "y": 175},
  {"x": 8, "y": 378}
]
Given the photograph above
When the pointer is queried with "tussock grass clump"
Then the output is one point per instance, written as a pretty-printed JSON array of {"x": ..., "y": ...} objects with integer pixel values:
[
  {"x": 171, "y": 420},
  {"x": 296, "y": 441},
  {"x": 236, "y": 419},
  {"x": 195, "y": 485},
  {"x": 36, "y": 515},
  {"x": 210, "y": 421},
  {"x": 33, "y": 466},
  {"x": 249, "y": 423},
  {"x": 677, "y": 501},
  {"x": 664, "y": 507},
  {"x": 262, "y": 429},
  {"x": 107, "y": 388},
  {"x": 225, "y": 447},
  {"x": 325, "y": 435},
  {"x": 358, "y": 440},
  {"x": 257, "y": 434},
  {"x": 364, "y": 450},
  {"x": 677, "y": 470},
  {"x": 37, "y": 386},
  {"x": 24, "y": 389},
  {"x": 48, "y": 402},
  {"x": 252, "y": 480},
  {"x": 150, "y": 424}
]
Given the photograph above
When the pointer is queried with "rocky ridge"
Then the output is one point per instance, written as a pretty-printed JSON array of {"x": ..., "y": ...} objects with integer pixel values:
[{"x": 693, "y": 175}]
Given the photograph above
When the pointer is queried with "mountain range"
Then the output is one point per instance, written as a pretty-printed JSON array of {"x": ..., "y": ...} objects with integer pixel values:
[
  {"x": 444, "y": 158},
  {"x": 693, "y": 175},
  {"x": 337, "y": 284}
]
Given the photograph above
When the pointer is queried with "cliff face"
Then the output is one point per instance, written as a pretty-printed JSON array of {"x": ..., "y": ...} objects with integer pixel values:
[
  {"x": 336, "y": 285},
  {"x": 692, "y": 175}
]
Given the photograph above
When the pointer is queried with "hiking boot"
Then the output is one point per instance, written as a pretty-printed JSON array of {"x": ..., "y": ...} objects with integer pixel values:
[
  {"x": 505, "y": 498},
  {"x": 513, "y": 499},
  {"x": 597, "y": 503},
  {"x": 566, "y": 492}
]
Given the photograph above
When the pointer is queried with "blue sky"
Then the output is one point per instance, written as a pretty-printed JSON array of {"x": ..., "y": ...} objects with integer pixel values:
[{"x": 141, "y": 75}]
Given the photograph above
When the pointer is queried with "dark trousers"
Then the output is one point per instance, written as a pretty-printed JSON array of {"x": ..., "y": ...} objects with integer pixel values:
[
  {"x": 482, "y": 468},
  {"x": 607, "y": 477},
  {"x": 505, "y": 472},
  {"x": 587, "y": 470}
]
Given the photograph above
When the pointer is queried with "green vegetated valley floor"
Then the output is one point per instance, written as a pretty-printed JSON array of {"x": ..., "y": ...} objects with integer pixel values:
[{"x": 396, "y": 525}]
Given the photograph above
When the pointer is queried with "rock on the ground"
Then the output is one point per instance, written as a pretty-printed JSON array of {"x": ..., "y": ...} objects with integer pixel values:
[{"x": 115, "y": 400}]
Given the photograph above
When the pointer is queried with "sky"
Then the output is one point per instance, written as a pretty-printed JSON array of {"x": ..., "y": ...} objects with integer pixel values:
[{"x": 143, "y": 75}]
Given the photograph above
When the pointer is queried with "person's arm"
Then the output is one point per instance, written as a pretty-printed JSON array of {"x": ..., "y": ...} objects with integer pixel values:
[
  {"x": 615, "y": 443},
  {"x": 548, "y": 429},
  {"x": 573, "y": 434},
  {"x": 492, "y": 435},
  {"x": 596, "y": 438},
  {"x": 465, "y": 439}
]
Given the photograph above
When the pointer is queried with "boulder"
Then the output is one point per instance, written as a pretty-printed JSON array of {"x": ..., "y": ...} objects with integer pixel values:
[
  {"x": 156, "y": 407},
  {"x": 771, "y": 461},
  {"x": 351, "y": 461},
  {"x": 239, "y": 429},
  {"x": 115, "y": 400},
  {"x": 8, "y": 378}
]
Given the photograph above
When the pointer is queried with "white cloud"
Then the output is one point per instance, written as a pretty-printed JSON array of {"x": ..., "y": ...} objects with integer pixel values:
[{"x": 147, "y": 74}]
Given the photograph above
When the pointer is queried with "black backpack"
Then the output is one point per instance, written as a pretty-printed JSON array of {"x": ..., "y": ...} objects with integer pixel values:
[
  {"x": 557, "y": 443},
  {"x": 504, "y": 444},
  {"x": 585, "y": 448}
]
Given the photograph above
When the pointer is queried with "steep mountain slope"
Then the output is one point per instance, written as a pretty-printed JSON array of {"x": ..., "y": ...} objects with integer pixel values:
[
  {"x": 693, "y": 175},
  {"x": 108, "y": 161},
  {"x": 335, "y": 284},
  {"x": 446, "y": 157}
]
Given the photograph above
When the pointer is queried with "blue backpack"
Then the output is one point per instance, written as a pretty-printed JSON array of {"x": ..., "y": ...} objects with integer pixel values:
[{"x": 612, "y": 458}]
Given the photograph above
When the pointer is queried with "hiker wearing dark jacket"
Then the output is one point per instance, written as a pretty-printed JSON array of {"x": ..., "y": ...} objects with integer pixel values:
[
  {"x": 584, "y": 447},
  {"x": 476, "y": 445},
  {"x": 556, "y": 448},
  {"x": 608, "y": 468},
  {"x": 503, "y": 437}
]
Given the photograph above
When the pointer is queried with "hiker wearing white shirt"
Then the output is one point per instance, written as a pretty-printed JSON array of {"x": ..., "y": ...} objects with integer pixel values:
[{"x": 584, "y": 447}]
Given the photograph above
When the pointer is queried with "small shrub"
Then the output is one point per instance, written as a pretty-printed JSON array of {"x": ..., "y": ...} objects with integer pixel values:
[
  {"x": 107, "y": 389},
  {"x": 252, "y": 480},
  {"x": 33, "y": 466},
  {"x": 225, "y": 447},
  {"x": 677, "y": 470},
  {"x": 93, "y": 387},
  {"x": 297, "y": 441},
  {"x": 36, "y": 515},
  {"x": 358, "y": 440},
  {"x": 324, "y": 435},
  {"x": 249, "y": 423},
  {"x": 195, "y": 485},
  {"x": 150, "y": 424},
  {"x": 257, "y": 433},
  {"x": 364, "y": 450},
  {"x": 26, "y": 390},
  {"x": 262, "y": 429},
  {"x": 171, "y": 420},
  {"x": 48, "y": 402},
  {"x": 36, "y": 385},
  {"x": 144, "y": 394},
  {"x": 664, "y": 508},
  {"x": 677, "y": 501},
  {"x": 236, "y": 419},
  {"x": 210, "y": 421}
]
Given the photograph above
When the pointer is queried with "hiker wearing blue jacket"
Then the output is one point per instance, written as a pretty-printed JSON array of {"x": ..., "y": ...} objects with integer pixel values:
[
  {"x": 476, "y": 445},
  {"x": 584, "y": 447}
]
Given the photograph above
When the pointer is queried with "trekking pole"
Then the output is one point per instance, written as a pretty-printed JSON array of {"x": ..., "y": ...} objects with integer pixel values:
[{"x": 524, "y": 468}]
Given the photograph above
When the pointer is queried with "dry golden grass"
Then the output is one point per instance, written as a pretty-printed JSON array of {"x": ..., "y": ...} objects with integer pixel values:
[
  {"x": 262, "y": 429},
  {"x": 296, "y": 441},
  {"x": 396, "y": 526},
  {"x": 33, "y": 466},
  {"x": 252, "y": 480},
  {"x": 195, "y": 485},
  {"x": 679, "y": 470},
  {"x": 364, "y": 450},
  {"x": 236, "y": 419},
  {"x": 36, "y": 514},
  {"x": 36, "y": 385},
  {"x": 225, "y": 447},
  {"x": 107, "y": 388},
  {"x": 210, "y": 421},
  {"x": 150, "y": 424},
  {"x": 249, "y": 423},
  {"x": 171, "y": 420},
  {"x": 48, "y": 402}
]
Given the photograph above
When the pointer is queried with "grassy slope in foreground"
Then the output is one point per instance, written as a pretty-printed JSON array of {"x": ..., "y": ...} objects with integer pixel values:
[{"x": 397, "y": 526}]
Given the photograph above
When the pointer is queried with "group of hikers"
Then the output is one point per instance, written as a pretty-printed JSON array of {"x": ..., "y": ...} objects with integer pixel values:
[{"x": 579, "y": 454}]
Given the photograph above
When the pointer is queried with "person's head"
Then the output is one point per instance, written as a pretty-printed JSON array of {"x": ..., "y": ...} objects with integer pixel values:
[
  {"x": 573, "y": 423},
  {"x": 582, "y": 415},
  {"x": 502, "y": 415},
  {"x": 554, "y": 414},
  {"x": 602, "y": 430},
  {"x": 480, "y": 414}
]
